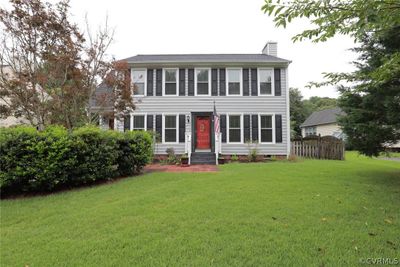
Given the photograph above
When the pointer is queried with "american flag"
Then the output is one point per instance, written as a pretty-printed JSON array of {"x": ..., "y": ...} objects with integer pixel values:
[{"x": 216, "y": 120}]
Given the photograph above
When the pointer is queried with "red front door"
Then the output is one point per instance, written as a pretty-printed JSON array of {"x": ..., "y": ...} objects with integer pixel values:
[{"x": 203, "y": 132}]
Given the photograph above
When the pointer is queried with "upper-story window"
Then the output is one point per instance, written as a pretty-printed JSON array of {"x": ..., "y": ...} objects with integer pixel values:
[
  {"x": 265, "y": 81},
  {"x": 234, "y": 81},
  {"x": 202, "y": 81},
  {"x": 139, "y": 81},
  {"x": 170, "y": 81}
]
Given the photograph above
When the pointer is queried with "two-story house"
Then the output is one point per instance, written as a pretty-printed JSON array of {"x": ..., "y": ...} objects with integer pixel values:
[{"x": 177, "y": 95}]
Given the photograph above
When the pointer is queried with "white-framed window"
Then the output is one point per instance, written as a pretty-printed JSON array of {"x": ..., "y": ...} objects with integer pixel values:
[
  {"x": 311, "y": 130},
  {"x": 267, "y": 128},
  {"x": 170, "y": 128},
  {"x": 138, "y": 122},
  {"x": 170, "y": 81},
  {"x": 265, "y": 81},
  {"x": 139, "y": 79},
  {"x": 202, "y": 81},
  {"x": 234, "y": 81},
  {"x": 235, "y": 128}
]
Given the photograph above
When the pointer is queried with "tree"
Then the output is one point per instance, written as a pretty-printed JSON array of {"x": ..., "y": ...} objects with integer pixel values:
[
  {"x": 55, "y": 69},
  {"x": 298, "y": 113},
  {"x": 372, "y": 102},
  {"x": 316, "y": 103},
  {"x": 373, "y": 105}
]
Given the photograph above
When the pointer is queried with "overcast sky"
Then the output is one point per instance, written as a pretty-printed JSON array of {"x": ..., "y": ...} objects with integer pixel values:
[{"x": 214, "y": 26}]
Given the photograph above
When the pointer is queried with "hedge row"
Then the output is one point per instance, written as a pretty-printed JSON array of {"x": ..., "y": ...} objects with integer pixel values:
[{"x": 33, "y": 161}]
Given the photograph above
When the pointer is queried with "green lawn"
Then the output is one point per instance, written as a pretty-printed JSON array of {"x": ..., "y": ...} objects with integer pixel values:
[{"x": 309, "y": 213}]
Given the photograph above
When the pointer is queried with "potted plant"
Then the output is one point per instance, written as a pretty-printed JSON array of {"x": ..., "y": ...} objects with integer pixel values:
[
  {"x": 184, "y": 160},
  {"x": 221, "y": 159}
]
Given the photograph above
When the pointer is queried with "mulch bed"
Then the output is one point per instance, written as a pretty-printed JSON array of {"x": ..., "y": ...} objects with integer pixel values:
[{"x": 178, "y": 168}]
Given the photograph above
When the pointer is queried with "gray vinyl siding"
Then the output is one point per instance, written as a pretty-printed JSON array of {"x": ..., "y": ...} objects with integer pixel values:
[{"x": 225, "y": 105}]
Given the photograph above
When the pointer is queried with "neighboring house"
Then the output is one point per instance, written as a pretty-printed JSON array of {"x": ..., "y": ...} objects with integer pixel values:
[
  {"x": 176, "y": 95},
  {"x": 322, "y": 123},
  {"x": 10, "y": 120}
]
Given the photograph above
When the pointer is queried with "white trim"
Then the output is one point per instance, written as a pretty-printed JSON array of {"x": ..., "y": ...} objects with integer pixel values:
[
  {"x": 177, "y": 127},
  {"x": 240, "y": 81},
  {"x": 177, "y": 81},
  {"x": 145, "y": 80},
  {"x": 209, "y": 81},
  {"x": 272, "y": 81},
  {"x": 241, "y": 127},
  {"x": 139, "y": 114},
  {"x": 287, "y": 112},
  {"x": 273, "y": 128}
]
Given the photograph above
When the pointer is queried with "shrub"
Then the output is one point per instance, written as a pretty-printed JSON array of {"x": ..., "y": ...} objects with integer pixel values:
[
  {"x": 252, "y": 156},
  {"x": 135, "y": 152},
  {"x": 234, "y": 157},
  {"x": 32, "y": 161},
  {"x": 171, "y": 159}
]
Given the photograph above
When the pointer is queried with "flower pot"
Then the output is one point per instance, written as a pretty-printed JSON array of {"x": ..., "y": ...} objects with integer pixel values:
[
  {"x": 184, "y": 162},
  {"x": 221, "y": 161}
]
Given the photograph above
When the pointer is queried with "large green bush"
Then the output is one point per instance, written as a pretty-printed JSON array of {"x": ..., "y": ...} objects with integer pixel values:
[{"x": 33, "y": 161}]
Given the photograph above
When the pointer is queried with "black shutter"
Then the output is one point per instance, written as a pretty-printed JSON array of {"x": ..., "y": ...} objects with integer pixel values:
[
  {"x": 191, "y": 82},
  {"x": 214, "y": 82},
  {"x": 182, "y": 128},
  {"x": 254, "y": 128},
  {"x": 159, "y": 127},
  {"x": 150, "y": 122},
  {"x": 222, "y": 90},
  {"x": 246, "y": 87},
  {"x": 150, "y": 82},
  {"x": 278, "y": 128},
  {"x": 127, "y": 123},
  {"x": 254, "y": 84},
  {"x": 159, "y": 82},
  {"x": 223, "y": 128},
  {"x": 277, "y": 74},
  {"x": 246, "y": 128},
  {"x": 182, "y": 82}
]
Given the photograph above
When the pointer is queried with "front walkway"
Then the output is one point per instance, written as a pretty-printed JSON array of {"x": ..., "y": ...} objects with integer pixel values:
[{"x": 178, "y": 168}]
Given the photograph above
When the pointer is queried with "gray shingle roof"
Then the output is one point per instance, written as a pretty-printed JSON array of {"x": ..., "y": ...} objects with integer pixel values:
[
  {"x": 205, "y": 58},
  {"x": 322, "y": 117}
]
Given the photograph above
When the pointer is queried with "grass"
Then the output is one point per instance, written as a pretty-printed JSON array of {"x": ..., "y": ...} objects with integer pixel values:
[{"x": 308, "y": 213}]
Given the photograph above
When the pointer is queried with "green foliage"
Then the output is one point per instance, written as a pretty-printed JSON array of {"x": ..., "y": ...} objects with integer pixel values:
[
  {"x": 33, "y": 161},
  {"x": 373, "y": 105},
  {"x": 227, "y": 218},
  {"x": 234, "y": 157},
  {"x": 171, "y": 159},
  {"x": 354, "y": 18},
  {"x": 301, "y": 108},
  {"x": 298, "y": 113},
  {"x": 252, "y": 156}
]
